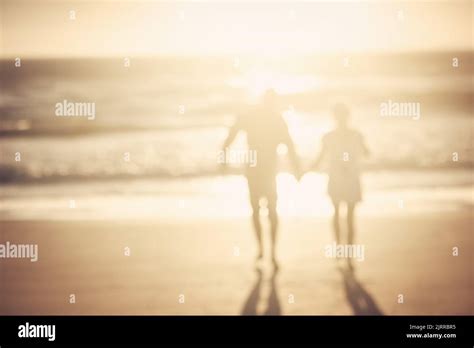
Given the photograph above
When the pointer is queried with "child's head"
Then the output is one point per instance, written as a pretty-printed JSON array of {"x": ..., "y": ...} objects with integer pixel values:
[{"x": 341, "y": 114}]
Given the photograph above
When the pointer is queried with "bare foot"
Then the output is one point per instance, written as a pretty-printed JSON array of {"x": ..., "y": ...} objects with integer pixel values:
[{"x": 275, "y": 264}]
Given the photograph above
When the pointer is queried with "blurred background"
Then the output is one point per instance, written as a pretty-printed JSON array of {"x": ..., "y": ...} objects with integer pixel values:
[{"x": 168, "y": 79}]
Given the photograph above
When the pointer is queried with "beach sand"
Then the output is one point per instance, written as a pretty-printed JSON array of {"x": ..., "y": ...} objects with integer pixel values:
[{"x": 211, "y": 263}]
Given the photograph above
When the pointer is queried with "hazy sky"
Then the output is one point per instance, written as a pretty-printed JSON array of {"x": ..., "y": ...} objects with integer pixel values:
[{"x": 128, "y": 28}]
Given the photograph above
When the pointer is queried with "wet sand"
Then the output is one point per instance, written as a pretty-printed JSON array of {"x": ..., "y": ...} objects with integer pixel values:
[{"x": 211, "y": 263}]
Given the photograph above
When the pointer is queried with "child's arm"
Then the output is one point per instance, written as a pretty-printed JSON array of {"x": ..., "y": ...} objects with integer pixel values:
[
  {"x": 294, "y": 159},
  {"x": 365, "y": 149},
  {"x": 291, "y": 151}
]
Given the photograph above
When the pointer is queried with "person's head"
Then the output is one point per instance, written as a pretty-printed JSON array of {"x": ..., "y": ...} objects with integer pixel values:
[
  {"x": 270, "y": 98},
  {"x": 341, "y": 114}
]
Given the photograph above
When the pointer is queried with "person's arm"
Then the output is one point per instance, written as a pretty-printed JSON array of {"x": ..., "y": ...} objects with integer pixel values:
[
  {"x": 294, "y": 159},
  {"x": 365, "y": 149},
  {"x": 233, "y": 131}
]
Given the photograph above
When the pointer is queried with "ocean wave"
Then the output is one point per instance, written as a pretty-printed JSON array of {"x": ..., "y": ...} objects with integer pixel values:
[{"x": 10, "y": 174}]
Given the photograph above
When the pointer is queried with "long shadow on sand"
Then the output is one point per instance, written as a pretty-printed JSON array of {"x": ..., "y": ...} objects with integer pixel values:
[
  {"x": 360, "y": 300},
  {"x": 273, "y": 304}
]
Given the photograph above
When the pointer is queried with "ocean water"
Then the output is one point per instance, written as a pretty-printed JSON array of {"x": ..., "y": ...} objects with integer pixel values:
[
  {"x": 170, "y": 116},
  {"x": 386, "y": 193}
]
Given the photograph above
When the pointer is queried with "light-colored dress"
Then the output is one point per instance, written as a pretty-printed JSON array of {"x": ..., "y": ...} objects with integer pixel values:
[{"x": 344, "y": 148}]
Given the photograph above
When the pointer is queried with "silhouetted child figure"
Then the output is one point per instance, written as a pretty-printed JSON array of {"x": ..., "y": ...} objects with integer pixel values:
[
  {"x": 265, "y": 129},
  {"x": 343, "y": 148}
]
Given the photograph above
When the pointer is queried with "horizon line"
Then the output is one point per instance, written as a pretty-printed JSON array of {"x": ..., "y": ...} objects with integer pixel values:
[{"x": 247, "y": 55}]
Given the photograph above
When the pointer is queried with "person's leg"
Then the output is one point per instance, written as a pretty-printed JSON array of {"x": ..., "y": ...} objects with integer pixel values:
[
  {"x": 350, "y": 222},
  {"x": 273, "y": 217},
  {"x": 350, "y": 230},
  {"x": 254, "y": 201},
  {"x": 335, "y": 223}
]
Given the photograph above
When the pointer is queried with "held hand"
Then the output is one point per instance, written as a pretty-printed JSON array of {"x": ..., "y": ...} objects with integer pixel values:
[
  {"x": 315, "y": 166},
  {"x": 299, "y": 173},
  {"x": 299, "y": 176}
]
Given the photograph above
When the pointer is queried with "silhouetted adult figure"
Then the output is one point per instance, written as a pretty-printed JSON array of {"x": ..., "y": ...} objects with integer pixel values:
[{"x": 265, "y": 129}]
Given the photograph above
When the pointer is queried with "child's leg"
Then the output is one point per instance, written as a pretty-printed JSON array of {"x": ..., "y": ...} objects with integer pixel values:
[
  {"x": 350, "y": 230},
  {"x": 335, "y": 222}
]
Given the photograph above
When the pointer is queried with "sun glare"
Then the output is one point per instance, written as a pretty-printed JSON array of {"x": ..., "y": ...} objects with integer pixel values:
[
  {"x": 256, "y": 82},
  {"x": 303, "y": 198}
]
